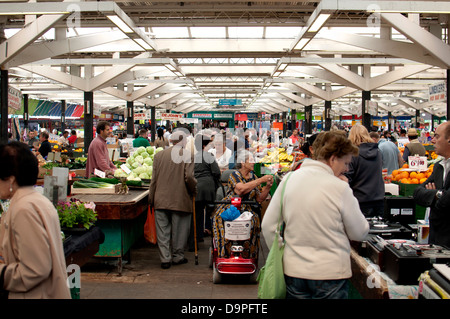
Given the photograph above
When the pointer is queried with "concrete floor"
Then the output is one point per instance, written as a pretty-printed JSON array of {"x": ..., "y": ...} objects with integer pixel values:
[{"x": 143, "y": 278}]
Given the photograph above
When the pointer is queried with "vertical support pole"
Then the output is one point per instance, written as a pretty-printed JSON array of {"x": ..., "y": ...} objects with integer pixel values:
[
  {"x": 4, "y": 106},
  {"x": 130, "y": 119},
  {"x": 327, "y": 115},
  {"x": 63, "y": 116},
  {"x": 153, "y": 122},
  {"x": 88, "y": 120},
  {"x": 308, "y": 119}
]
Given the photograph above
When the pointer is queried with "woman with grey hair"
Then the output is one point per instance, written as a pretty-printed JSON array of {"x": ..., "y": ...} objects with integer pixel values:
[{"x": 244, "y": 184}]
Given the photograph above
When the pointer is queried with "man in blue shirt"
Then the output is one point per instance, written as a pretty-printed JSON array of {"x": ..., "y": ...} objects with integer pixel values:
[{"x": 392, "y": 158}]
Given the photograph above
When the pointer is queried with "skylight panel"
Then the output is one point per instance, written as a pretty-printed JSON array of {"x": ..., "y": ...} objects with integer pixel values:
[
  {"x": 246, "y": 32},
  {"x": 282, "y": 32},
  {"x": 170, "y": 32},
  {"x": 208, "y": 32}
]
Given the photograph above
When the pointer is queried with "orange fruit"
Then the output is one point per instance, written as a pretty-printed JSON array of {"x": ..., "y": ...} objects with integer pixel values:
[
  {"x": 395, "y": 172},
  {"x": 404, "y": 175},
  {"x": 414, "y": 181},
  {"x": 423, "y": 180},
  {"x": 405, "y": 181},
  {"x": 405, "y": 165},
  {"x": 413, "y": 175},
  {"x": 420, "y": 176}
]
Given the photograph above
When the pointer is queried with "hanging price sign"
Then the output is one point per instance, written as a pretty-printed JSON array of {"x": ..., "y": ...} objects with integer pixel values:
[{"x": 417, "y": 163}]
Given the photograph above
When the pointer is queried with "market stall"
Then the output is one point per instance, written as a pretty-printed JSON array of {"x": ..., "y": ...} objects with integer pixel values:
[{"x": 121, "y": 217}]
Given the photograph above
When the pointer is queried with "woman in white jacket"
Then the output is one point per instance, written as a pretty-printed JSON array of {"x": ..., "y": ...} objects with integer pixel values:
[{"x": 321, "y": 216}]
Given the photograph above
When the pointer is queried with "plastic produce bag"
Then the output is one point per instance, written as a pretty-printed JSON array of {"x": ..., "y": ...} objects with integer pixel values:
[
  {"x": 150, "y": 226},
  {"x": 230, "y": 214}
]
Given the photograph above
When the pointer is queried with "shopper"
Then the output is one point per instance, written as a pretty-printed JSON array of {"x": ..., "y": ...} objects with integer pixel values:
[
  {"x": 414, "y": 147},
  {"x": 307, "y": 150},
  {"x": 33, "y": 140},
  {"x": 295, "y": 136},
  {"x": 434, "y": 192},
  {"x": 365, "y": 174},
  {"x": 142, "y": 140},
  {"x": 33, "y": 263},
  {"x": 62, "y": 140},
  {"x": 73, "y": 137},
  {"x": 44, "y": 147},
  {"x": 172, "y": 189},
  {"x": 221, "y": 152},
  {"x": 244, "y": 184},
  {"x": 392, "y": 158},
  {"x": 207, "y": 174},
  {"x": 160, "y": 140},
  {"x": 98, "y": 155},
  {"x": 321, "y": 216}
]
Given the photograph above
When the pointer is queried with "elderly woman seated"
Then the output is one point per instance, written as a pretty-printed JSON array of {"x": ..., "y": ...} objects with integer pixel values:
[{"x": 244, "y": 184}]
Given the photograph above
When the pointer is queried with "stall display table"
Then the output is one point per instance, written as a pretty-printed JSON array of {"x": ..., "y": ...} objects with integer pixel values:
[
  {"x": 121, "y": 217},
  {"x": 371, "y": 283}
]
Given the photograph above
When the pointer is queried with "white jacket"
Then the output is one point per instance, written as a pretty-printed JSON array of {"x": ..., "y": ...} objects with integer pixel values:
[{"x": 321, "y": 215}]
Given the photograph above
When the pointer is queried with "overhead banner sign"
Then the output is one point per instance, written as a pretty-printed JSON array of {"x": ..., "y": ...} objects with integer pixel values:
[
  {"x": 171, "y": 117},
  {"x": 230, "y": 101},
  {"x": 437, "y": 92}
]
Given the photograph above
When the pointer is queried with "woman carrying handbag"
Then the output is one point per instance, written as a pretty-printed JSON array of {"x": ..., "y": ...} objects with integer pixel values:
[{"x": 321, "y": 216}]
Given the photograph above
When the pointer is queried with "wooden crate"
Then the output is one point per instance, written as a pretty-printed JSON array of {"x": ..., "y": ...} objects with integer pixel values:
[{"x": 111, "y": 190}]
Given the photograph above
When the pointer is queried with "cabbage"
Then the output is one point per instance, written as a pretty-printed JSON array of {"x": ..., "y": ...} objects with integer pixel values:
[
  {"x": 141, "y": 149},
  {"x": 139, "y": 159},
  {"x": 130, "y": 160},
  {"x": 159, "y": 149},
  {"x": 120, "y": 173},
  {"x": 150, "y": 150},
  {"x": 148, "y": 161},
  {"x": 135, "y": 165},
  {"x": 144, "y": 176},
  {"x": 144, "y": 155},
  {"x": 139, "y": 170}
]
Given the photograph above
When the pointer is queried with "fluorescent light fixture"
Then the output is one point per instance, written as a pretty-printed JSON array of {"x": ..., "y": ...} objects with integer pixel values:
[
  {"x": 120, "y": 24},
  {"x": 319, "y": 22},
  {"x": 301, "y": 44}
]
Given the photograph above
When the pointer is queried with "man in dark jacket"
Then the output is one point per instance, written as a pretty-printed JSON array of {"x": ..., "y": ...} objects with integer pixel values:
[
  {"x": 171, "y": 193},
  {"x": 434, "y": 192}
]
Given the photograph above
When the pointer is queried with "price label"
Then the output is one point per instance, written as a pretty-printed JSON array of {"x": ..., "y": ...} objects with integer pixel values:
[
  {"x": 125, "y": 169},
  {"x": 417, "y": 163},
  {"x": 99, "y": 173},
  {"x": 289, "y": 150}
]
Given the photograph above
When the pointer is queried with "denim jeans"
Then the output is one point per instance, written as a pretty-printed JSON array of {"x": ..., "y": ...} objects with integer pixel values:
[{"x": 297, "y": 288}]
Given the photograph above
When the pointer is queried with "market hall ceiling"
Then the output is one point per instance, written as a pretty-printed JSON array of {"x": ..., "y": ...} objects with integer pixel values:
[{"x": 272, "y": 55}]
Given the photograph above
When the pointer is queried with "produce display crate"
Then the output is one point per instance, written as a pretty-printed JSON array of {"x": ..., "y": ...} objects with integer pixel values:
[
  {"x": 407, "y": 190},
  {"x": 109, "y": 190}
]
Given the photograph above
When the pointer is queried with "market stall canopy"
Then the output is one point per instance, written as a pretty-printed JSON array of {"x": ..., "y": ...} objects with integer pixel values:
[{"x": 274, "y": 56}]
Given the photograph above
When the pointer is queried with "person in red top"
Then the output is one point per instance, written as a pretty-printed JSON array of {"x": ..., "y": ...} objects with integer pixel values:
[
  {"x": 98, "y": 156},
  {"x": 73, "y": 137}
]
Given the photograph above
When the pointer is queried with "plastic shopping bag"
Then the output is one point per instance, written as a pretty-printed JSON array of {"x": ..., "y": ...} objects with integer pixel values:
[{"x": 150, "y": 226}]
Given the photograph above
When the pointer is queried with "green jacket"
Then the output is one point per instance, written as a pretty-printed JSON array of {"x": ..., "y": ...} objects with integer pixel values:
[{"x": 140, "y": 141}]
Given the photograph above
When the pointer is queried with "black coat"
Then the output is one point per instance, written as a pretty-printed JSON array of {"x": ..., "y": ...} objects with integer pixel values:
[
  {"x": 440, "y": 209},
  {"x": 365, "y": 174},
  {"x": 207, "y": 174}
]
